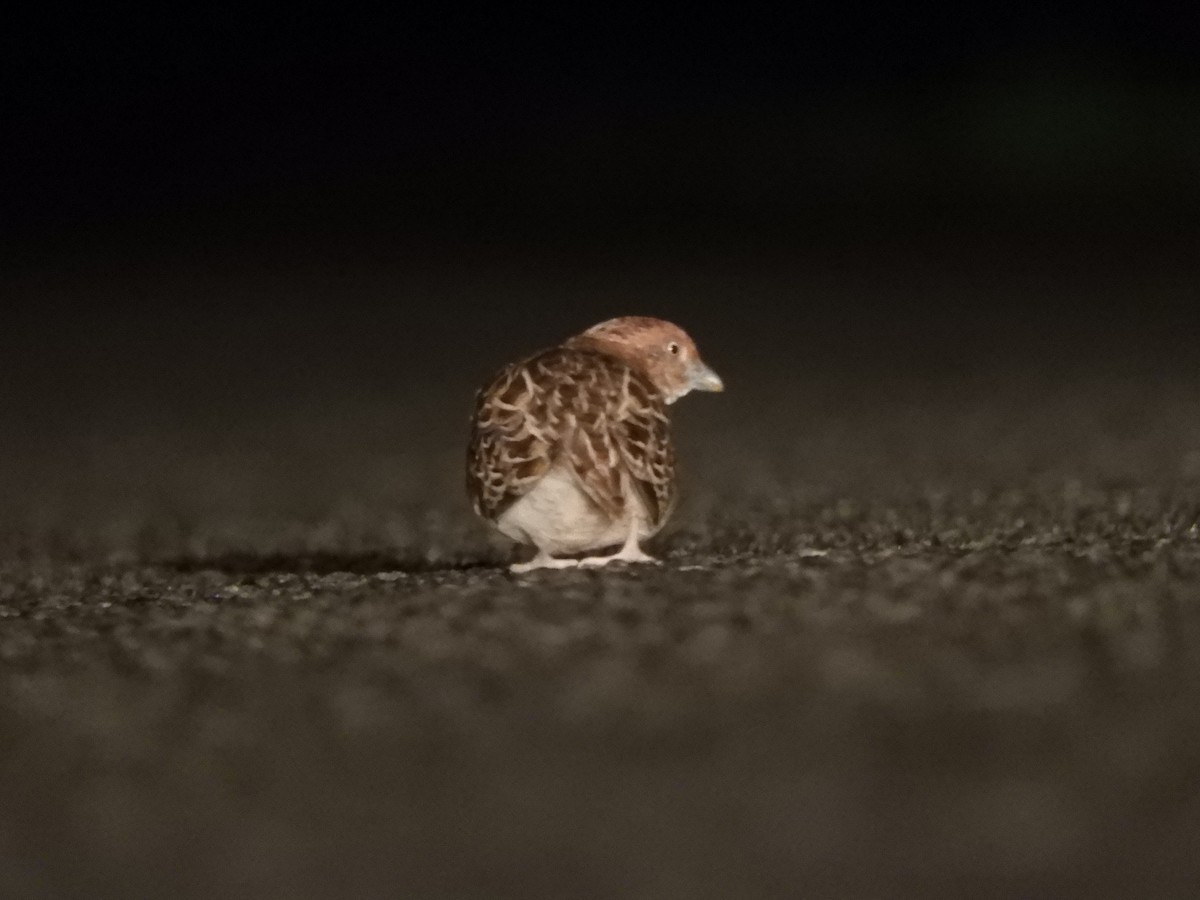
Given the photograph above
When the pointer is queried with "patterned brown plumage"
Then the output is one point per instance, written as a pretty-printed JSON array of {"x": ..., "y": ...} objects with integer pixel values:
[{"x": 571, "y": 450}]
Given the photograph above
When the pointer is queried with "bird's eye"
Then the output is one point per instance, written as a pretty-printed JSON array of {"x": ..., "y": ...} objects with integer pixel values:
[{"x": 673, "y": 348}]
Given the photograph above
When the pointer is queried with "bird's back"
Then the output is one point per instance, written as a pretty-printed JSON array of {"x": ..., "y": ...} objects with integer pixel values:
[{"x": 586, "y": 410}]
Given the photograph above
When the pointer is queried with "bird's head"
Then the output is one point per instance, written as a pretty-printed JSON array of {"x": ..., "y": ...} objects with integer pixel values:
[{"x": 660, "y": 350}]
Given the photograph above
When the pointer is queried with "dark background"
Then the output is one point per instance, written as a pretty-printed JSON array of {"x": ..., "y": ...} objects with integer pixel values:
[
  {"x": 313, "y": 170},
  {"x": 927, "y": 617}
]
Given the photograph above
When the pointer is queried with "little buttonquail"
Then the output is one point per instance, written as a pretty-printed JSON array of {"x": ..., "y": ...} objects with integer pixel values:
[{"x": 571, "y": 450}]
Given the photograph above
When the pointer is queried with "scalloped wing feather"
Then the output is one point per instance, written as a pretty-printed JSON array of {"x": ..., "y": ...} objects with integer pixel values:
[
  {"x": 644, "y": 438},
  {"x": 587, "y": 409}
]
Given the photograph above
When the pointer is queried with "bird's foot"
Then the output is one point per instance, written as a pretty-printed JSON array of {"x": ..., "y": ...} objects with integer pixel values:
[
  {"x": 625, "y": 554},
  {"x": 542, "y": 561}
]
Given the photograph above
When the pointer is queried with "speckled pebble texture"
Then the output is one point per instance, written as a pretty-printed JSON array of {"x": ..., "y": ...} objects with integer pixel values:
[{"x": 914, "y": 634}]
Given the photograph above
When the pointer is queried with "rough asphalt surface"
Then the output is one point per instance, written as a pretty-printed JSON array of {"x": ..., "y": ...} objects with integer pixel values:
[{"x": 921, "y": 633}]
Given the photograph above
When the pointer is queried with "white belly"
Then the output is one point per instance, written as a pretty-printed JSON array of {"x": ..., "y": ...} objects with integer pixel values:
[{"x": 557, "y": 517}]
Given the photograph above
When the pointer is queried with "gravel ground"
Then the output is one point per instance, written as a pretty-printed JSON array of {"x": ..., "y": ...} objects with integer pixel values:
[{"x": 911, "y": 637}]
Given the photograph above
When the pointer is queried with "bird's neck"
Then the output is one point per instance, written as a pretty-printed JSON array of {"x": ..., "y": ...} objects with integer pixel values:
[{"x": 621, "y": 351}]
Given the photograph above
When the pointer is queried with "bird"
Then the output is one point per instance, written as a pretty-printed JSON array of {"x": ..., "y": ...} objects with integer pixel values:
[{"x": 570, "y": 449}]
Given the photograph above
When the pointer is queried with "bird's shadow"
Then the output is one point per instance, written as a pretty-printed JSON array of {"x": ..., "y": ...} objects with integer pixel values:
[{"x": 325, "y": 563}]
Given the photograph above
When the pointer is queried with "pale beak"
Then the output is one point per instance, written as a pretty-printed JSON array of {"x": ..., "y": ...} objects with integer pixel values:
[{"x": 702, "y": 378}]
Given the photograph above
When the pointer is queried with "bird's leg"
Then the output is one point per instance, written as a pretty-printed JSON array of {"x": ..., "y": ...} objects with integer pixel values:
[
  {"x": 543, "y": 560},
  {"x": 629, "y": 552}
]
